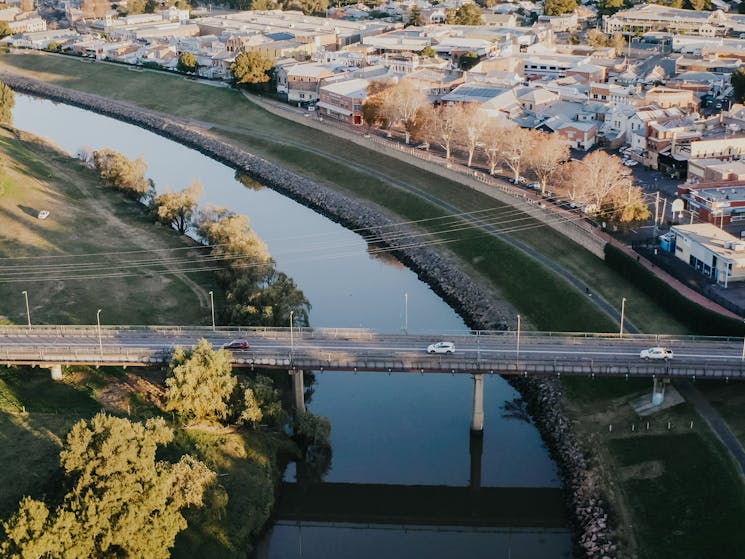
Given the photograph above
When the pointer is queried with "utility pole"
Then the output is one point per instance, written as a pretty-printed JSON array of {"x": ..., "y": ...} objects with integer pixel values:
[
  {"x": 656, "y": 214},
  {"x": 664, "y": 211}
]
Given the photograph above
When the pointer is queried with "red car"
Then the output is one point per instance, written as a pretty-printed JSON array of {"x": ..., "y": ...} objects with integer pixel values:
[{"x": 236, "y": 344}]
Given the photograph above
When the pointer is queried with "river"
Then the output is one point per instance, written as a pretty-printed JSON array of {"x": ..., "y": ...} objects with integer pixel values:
[{"x": 397, "y": 429}]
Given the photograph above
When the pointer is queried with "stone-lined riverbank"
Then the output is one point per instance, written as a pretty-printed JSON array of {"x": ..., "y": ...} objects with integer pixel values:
[{"x": 471, "y": 300}]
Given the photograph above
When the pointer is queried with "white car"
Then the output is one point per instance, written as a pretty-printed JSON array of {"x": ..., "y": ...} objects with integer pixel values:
[
  {"x": 43, "y": 214},
  {"x": 656, "y": 353},
  {"x": 441, "y": 347}
]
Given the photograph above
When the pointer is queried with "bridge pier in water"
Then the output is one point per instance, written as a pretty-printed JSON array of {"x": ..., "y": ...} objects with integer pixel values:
[
  {"x": 56, "y": 371},
  {"x": 658, "y": 390},
  {"x": 298, "y": 391},
  {"x": 477, "y": 413}
]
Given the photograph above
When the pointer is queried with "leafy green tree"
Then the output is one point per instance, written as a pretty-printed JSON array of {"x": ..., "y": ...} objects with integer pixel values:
[
  {"x": 415, "y": 17},
  {"x": 262, "y": 403},
  {"x": 7, "y": 102},
  {"x": 469, "y": 60},
  {"x": 127, "y": 175},
  {"x": 201, "y": 383},
  {"x": 738, "y": 84},
  {"x": 308, "y": 7},
  {"x": 467, "y": 14},
  {"x": 266, "y": 300},
  {"x": 263, "y": 5},
  {"x": 187, "y": 62},
  {"x": 559, "y": 7},
  {"x": 177, "y": 208},
  {"x": 136, "y": 7},
  {"x": 610, "y": 7},
  {"x": 251, "y": 67},
  {"x": 596, "y": 38},
  {"x": 121, "y": 502},
  {"x": 428, "y": 52},
  {"x": 4, "y": 29},
  {"x": 617, "y": 41},
  {"x": 234, "y": 241},
  {"x": 313, "y": 435}
]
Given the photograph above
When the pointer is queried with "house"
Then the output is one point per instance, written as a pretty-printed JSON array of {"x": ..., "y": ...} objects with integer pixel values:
[
  {"x": 343, "y": 100},
  {"x": 666, "y": 97},
  {"x": 304, "y": 81},
  {"x": 711, "y": 251},
  {"x": 436, "y": 83},
  {"x": 579, "y": 135}
]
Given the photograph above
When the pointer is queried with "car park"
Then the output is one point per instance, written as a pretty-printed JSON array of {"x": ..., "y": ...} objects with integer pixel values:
[
  {"x": 236, "y": 344},
  {"x": 656, "y": 353},
  {"x": 441, "y": 347}
]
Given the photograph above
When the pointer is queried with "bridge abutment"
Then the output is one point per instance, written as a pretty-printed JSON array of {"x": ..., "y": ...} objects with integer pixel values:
[
  {"x": 298, "y": 391},
  {"x": 658, "y": 390},
  {"x": 477, "y": 414}
]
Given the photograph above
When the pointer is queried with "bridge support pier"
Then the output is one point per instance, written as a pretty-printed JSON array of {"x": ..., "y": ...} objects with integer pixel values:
[
  {"x": 477, "y": 414},
  {"x": 56, "y": 371},
  {"x": 658, "y": 390},
  {"x": 298, "y": 391}
]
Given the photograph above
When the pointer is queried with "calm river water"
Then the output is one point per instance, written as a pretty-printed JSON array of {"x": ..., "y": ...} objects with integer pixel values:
[{"x": 397, "y": 429}]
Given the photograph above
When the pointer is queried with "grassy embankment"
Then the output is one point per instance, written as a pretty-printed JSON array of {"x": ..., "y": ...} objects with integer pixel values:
[
  {"x": 640, "y": 467},
  {"x": 36, "y": 412}
]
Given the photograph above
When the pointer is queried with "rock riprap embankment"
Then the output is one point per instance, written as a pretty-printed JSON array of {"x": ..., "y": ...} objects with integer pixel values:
[{"x": 587, "y": 511}]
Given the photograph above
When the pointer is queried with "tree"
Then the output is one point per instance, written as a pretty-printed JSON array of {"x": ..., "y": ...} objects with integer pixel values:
[
  {"x": 187, "y": 62},
  {"x": 610, "y": 7},
  {"x": 373, "y": 108},
  {"x": 313, "y": 435},
  {"x": 308, "y": 7},
  {"x": 201, "y": 383},
  {"x": 266, "y": 300},
  {"x": 596, "y": 38},
  {"x": 121, "y": 501},
  {"x": 402, "y": 103},
  {"x": 7, "y": 102},
  {"x": 262, "y": 5},
  {"x": 617, "y": 41},
  {"x": 94, "y": 8},
  {"x": 467, "y": 14},
  {"x": 471, "y": 129},
  {"x": 492, "y": 143},
  {"x": 251, "y": 67},
  {"x": 127, "y": 175},
  {"x": 177, "y": 208},
  {"x": 415, "y": 17},
  {"x": 559, "y": 7},
  {"x": 515, "y": 147},
  {"x": 737, "y": 79},
  {"x": 27, "y": 5},
  {"x": 234, "y": 242},
  {"x": 262, "y": 402},
  {"x": 428, "y": 52},
  {"x": 548, "y": 153},
  {"x": 445, "y": 127},
  {"x": 135, "y": 7},
  {"x": 468, "y": 60}
]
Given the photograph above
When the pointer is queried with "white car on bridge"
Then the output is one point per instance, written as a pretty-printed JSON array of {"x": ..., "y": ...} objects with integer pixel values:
[
  {"x": 441, "y": 347},
  {"x": 656, "y": 353}
]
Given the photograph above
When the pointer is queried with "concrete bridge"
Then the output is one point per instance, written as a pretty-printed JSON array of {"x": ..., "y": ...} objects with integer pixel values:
[{"x": 361, "y": 350}]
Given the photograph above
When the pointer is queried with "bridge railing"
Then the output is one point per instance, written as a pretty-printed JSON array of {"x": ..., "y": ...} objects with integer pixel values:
[{"x": 362, "y": 334}]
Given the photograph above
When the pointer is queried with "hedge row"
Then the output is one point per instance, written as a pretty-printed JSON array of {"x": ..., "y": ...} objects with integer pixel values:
[{"x": 698, "y": 319}]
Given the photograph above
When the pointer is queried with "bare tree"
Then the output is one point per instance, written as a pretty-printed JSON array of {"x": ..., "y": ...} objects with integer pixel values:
[
  {"x": 402, "y": 104},
  {"x": 445, "y": 127},
  {"x": 548, "y": 153},
  {"x": 492, "y": 143},
  {"x": 515, "y": 148},
  {"x": 471, "y": 129}
]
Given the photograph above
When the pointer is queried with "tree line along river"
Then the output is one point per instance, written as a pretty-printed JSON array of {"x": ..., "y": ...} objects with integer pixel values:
[{"x": 396, "y": 429}]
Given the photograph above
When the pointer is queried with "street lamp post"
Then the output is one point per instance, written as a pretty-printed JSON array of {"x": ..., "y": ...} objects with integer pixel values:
[
  {"x": 98, "y": 323},
  {"x": 212, "y": 307},
  {"x": 518, "y": 339},
  {"x": 406, "y": 313},
  {"x": 28, "y": 312},
  {"x": 292, "y": 339},
  {"x": 743, "y": 349},
  {"x": 623, "y": 308}
]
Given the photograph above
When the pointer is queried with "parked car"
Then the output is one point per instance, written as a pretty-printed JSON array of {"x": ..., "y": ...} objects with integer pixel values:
[
  {"x": 236, "y": 344},
  {"x": 423, "y": 145},
  {"x": 441, "y": 347},
  {"x": 535, "y": 185},
  {"x": 43, "y": 214},
  {"x": 656, "y": 353}
]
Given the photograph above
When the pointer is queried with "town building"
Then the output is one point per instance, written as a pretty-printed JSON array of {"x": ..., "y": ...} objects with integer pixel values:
[
  {"x": 711, "y": 251},
  {"x": 343, "y": 100},
  {"x": 653, "y": 17},
  {"x": 716, "y": 203}
]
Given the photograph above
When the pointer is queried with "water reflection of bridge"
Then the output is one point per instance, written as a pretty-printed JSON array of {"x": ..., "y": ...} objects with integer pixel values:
[{"x": 425, "y": 505}]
